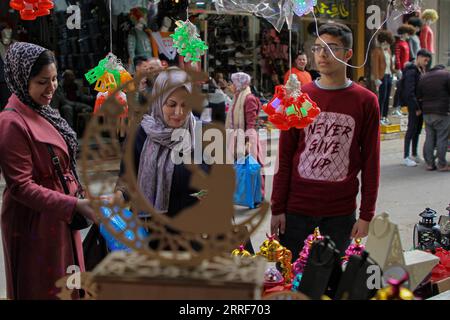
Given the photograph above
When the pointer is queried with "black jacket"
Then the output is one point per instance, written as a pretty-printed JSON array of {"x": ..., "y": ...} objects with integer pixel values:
[
  {"x": 408, "y": 86},
  {"x": 433, "y": 91}
]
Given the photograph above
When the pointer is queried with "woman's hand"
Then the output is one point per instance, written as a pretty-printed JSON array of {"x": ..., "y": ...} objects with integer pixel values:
[{"x": 84, "y": 208}]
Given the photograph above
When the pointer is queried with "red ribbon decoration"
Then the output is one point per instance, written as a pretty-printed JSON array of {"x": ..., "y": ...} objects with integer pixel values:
[{"x": 31, "y": 9}]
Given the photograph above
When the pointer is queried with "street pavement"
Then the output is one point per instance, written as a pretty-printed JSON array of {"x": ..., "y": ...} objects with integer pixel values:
[{"x": 404, "y": 193}]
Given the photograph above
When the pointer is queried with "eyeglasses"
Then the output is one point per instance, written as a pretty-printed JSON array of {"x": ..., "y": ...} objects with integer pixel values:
[{"x": 317, "y": 48}]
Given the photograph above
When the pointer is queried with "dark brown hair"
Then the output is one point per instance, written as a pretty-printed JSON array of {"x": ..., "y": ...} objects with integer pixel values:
[
  {"x": 340, "y": 31},
  {"x": 406, "y": 28},
  {"x": 47, "y": 57},
  {"x": 386, "y": 36}
]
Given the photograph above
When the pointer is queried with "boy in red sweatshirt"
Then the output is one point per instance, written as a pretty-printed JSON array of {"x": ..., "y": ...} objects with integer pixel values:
[{"x": 317, "y": 180}]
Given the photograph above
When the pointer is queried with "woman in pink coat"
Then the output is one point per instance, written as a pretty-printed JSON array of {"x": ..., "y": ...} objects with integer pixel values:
[{"x": 38, "y": 244}]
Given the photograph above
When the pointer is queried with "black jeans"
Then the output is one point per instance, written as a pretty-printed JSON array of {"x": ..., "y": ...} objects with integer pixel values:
[
  {"x": 299, "y": 227},
  {"x": 415, "y": 124},
  {"x": 384, "y": 94}
]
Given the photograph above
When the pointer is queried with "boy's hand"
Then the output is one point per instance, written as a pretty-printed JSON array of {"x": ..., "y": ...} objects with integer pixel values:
[
  {"x": 360, "y": 229},
  {"x": 278, "y": 224}
]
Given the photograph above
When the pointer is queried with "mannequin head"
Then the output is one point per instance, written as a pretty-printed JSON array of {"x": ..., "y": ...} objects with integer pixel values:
[
  {"x": 6, "y": 36},
  {"x": 166, "y": 24},
  {"x": 430, "y": 16},
  {"x": 139, "y": 18},
  {"x": 416, "y": 23},
  {"x": 385, "y": 38},
  {"x": 141, "y": 24},
  {"x": 405, "y": 31}
]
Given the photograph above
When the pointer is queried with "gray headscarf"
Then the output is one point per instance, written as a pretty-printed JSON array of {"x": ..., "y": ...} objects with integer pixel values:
[
  {"x": 20, "y": 59},
  {"x": 156, "y": 166}
]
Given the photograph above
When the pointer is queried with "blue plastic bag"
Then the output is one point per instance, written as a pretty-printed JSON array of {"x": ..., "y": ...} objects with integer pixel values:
[
  {"x": 119, "y": 225},
  {"x": 248, "y": 182}
]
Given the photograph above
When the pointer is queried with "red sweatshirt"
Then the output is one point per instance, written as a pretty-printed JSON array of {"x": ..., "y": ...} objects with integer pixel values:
[
  {"x": 401, "y": 54},
  {"x": 319, "y": 166}
]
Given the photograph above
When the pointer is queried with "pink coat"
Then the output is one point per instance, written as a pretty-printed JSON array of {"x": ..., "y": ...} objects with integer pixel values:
[{"x": 37, "y": 241}]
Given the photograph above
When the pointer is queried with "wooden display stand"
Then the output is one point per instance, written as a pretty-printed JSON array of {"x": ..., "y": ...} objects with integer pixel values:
[{"x": 117, "y": 277}]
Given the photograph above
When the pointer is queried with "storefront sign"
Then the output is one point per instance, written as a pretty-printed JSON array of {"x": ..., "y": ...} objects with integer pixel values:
[{"x": 336, "y": 9}]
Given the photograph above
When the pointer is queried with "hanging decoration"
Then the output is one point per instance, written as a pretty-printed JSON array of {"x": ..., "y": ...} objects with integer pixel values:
[
  {"x": 31, "y": 9},
  {"x": 109, "y": 75},
  {"x": 303, "y": 7},
  {"x": 290, "y": 107},
  {"x": 406, "y": 6},
  {"x": 275, "y": 12},
  {"x": 188, "y": 43}
]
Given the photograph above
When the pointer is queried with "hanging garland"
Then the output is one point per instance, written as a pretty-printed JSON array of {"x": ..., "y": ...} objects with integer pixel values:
[
  {"x": 188, "y": 43},
  {"x": 31, "y": 9}
]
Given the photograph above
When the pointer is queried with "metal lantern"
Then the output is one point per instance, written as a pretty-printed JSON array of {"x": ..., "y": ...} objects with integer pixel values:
[{"x": 427, "y": 234}]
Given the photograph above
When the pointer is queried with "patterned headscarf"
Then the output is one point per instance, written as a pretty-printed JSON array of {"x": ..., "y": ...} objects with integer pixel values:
[
  {"x": 20, "y": 58},
  {"x": 155, "y": 165},
  {"x": 241, "y": 80}
]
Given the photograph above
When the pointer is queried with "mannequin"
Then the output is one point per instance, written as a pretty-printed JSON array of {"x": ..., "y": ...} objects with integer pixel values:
[
  {"x": 429, "y": 17},
  {"x": 138, "y": 40},
  {"x": 163, "y": 44},
  {"x": 414, "y": 40},
  {"x": 383, "y": 71},
  {"x": 6, "y": 40},
  {"x": 402, "y": 49}
]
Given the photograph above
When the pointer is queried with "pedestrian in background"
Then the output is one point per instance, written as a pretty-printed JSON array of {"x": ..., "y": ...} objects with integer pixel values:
[
  {"x": 433, "y": 94},
  {"x": 39, "y": 245},
  {"x": 408, "y": 87}
]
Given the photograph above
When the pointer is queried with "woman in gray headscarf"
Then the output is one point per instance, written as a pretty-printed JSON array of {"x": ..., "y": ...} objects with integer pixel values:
[
  {"x": 38, "y": 243},
  {"x": 164, "y": 183}
]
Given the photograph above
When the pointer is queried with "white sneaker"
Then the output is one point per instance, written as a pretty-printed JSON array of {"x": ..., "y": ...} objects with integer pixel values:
[
  {"x": 409, "y": 162},
  {"x": 417, "y": 159}
]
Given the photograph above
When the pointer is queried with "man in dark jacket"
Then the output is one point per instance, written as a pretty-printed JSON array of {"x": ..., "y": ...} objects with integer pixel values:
[
  {"x": 433, "y": 93},
  {"x": 409, "y": 81}
]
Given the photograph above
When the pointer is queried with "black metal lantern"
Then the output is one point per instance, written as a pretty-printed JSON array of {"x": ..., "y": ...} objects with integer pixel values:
[{"x": 427, "y": 234}]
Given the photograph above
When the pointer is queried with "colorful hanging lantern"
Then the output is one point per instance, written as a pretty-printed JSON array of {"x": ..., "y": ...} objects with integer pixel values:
[
  {"x": 107, "y": 82},
  {"x": 119, "y": 96},
  {"x": 291, "y": 108},
  {"x": 188, "y": 43},
  {"x": 109, "y": 74},
  {"x": 31, "y": 9}
]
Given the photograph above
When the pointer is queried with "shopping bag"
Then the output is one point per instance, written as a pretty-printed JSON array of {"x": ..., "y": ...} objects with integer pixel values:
[
  {"x": 120, "y": 226},
  {"x": 248, "y": 182}
]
